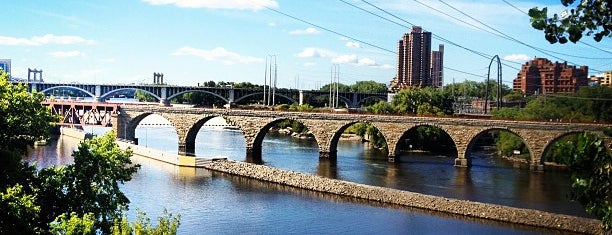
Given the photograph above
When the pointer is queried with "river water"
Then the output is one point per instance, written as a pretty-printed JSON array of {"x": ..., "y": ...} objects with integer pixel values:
[{"x": 215, "y": 203}]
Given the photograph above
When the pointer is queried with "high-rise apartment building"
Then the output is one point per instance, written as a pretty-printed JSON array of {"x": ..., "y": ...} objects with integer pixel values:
[
  {"x": 417, "y": 65},
  {"x": 437, "y": 67},
  {"x": 542, "y": 76}
]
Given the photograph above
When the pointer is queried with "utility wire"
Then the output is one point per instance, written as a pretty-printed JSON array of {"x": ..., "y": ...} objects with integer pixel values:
[
  {"x": 581, "y": 42},
  {"x": 329, "y": 30},
  {"x": 546, "y": 52},
  {"x": 370, "y": 44},
  {"x": 482, "y": 54}
]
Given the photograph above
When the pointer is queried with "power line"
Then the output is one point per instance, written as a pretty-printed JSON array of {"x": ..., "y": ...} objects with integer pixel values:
[
  {"x": 506, "y": 36},
  {"x": 370, "y": 44},
  {"x": 328, "y": 30},
  {"x": 581, "y": 42},
  {"x": 482, "y": 54}
]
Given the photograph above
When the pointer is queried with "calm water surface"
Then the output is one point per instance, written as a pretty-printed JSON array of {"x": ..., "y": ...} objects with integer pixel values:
[{"x": 215, "y": 203}]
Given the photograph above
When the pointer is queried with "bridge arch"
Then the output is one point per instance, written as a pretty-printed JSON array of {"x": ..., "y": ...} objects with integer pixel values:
[
  {"x": 129, "y": 131},
  {"x": 472, "y": 142},
  {"x": 445, "y": 134},
  {"x": 557, "y": 138},
  {"x": 333, "y": 147},
  {"x": 69, "y": 87},
  {"x": 261, "y": 133},
  {"x": 201, "y": 91},
  {"x": 103, "y": 96},
  {"x": 381, "y": 98},
  {"x": 261, "y": 93},
  {"x": 344, "y": 99}
]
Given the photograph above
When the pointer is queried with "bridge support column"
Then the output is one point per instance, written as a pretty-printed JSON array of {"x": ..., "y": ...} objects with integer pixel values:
[
  {"x": 253, "y": 155},
  {"x": 186, "y": 149},
  {"x": 164, "y": 102},
  {"x": 301, "y": 99},
  {"x": 536, "y": 167},
  {"x": 392, "y": 158},
  {"x": 98, "y": 93},
  {"x": 328, "y": 154},
  {"x": 462, "y": 162}
]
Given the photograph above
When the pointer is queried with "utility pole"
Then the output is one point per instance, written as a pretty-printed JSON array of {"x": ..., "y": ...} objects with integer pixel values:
[
  {"x": 337, "y": 83},
  {"x": 275, "y": 76},
  {"x": 265, "y": 82},
  {"x": 331, "y": 81}
]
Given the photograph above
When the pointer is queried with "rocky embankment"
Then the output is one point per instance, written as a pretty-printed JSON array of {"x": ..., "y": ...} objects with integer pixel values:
[{"x": 404, "y": 198}]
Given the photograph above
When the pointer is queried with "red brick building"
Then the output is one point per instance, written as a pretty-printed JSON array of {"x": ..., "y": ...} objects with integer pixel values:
[{"x": 542, "y": 76}]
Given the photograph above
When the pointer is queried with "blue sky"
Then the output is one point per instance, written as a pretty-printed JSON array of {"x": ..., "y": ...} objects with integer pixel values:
[{"x": 191, "y": 41}]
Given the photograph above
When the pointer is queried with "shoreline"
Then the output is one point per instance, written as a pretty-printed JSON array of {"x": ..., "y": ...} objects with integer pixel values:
[{"x": 528, "y": 217}]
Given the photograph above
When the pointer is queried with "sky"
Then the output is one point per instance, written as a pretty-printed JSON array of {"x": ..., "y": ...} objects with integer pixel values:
[{"x": 194, "y": 41}]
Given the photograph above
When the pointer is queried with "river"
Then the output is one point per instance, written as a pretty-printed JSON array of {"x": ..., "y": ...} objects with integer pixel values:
[{"x": 214, "y": 203}]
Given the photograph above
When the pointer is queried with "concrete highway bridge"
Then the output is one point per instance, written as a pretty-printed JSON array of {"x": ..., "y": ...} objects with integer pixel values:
[
  {"x": 328, "y": 127},
  {"x": 230, "y": 95}
]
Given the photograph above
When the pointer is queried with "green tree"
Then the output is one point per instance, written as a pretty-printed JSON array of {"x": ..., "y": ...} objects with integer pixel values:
[
  {"x": 18, "y": 211},
  {"x": 143, "y": 96},
  {"x": 381, "y": 108},
  {"x": 368, "y": 87},
  {"x": 93, "y": 180},
  {"x": 408, "y": 101},
  {"x": 591, "y": 166},
  {"x": 22, "y": 119},
  {"x": 341, "y": 87},
  {"x": 506, "y": 142},
  {"x": 592, "y": 17}
]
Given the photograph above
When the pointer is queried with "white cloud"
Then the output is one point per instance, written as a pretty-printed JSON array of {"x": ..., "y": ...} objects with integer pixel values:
[
  {"x": 217, "y": 54},
  {"x": 517, "y": 57},
  {"x": 218, "y": 4},
  {"x": 356, "y": 61},
  {"x": 345, "y": 59},
  {"x": 66, "y": 54},
  {"x": 313, "y": 52},
  {"x": 272, "y": 24},
  {"x": 309, "y": 30},
  {"x": 353, "y": 44},
  {"x": 42, "y": 40},
  {"x": 366, "y": 62},
  {"x": 309, "y": 64}
]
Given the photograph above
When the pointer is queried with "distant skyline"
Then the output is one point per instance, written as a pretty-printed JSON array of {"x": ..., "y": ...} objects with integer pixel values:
[{"x": 194, "y": 41}]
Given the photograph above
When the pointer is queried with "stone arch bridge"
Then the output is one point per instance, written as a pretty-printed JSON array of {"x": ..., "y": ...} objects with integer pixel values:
[{"x": 328, "y": 127}]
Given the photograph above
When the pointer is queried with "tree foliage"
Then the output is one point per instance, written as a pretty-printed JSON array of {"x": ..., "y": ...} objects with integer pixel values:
[
  {"x": 591, "y": 166},
  {"x": 30, "y": 199},
  {"x": 589, "y": 104},
  {"x": 592, "y": 17},
  {"x": 93, "y": 180},
  {"x": 360, "y": 86},
  {"x": 506, "y": 142},
  {"x": 22, "y": 119},
  {"x": 143, "y": 96}
]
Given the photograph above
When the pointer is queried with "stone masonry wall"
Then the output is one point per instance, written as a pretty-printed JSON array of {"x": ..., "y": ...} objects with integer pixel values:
[
  {"x": 404, "y": 198},
  {"x": 325, "y": 126}
]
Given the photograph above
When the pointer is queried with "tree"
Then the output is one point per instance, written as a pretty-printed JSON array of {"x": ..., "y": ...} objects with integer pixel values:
[
  {"x": 408, "y": 101},
  {"x": 368, "y": 87},
  {"x": 93, "y": 180},
  {"x": 591, "y": 166},
  {"x": 593, "y": 17},
  {"x": 22, "y": 119},
  {"x": 143, "y": 96}
]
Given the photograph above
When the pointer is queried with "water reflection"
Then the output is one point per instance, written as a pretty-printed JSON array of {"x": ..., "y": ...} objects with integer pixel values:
[
  {"x": 217, "y": 203},
  {"x": 490, "y": 179}
]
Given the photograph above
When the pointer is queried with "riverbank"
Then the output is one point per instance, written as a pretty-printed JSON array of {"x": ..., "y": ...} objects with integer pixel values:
[{"x": 409, "y": 199}]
